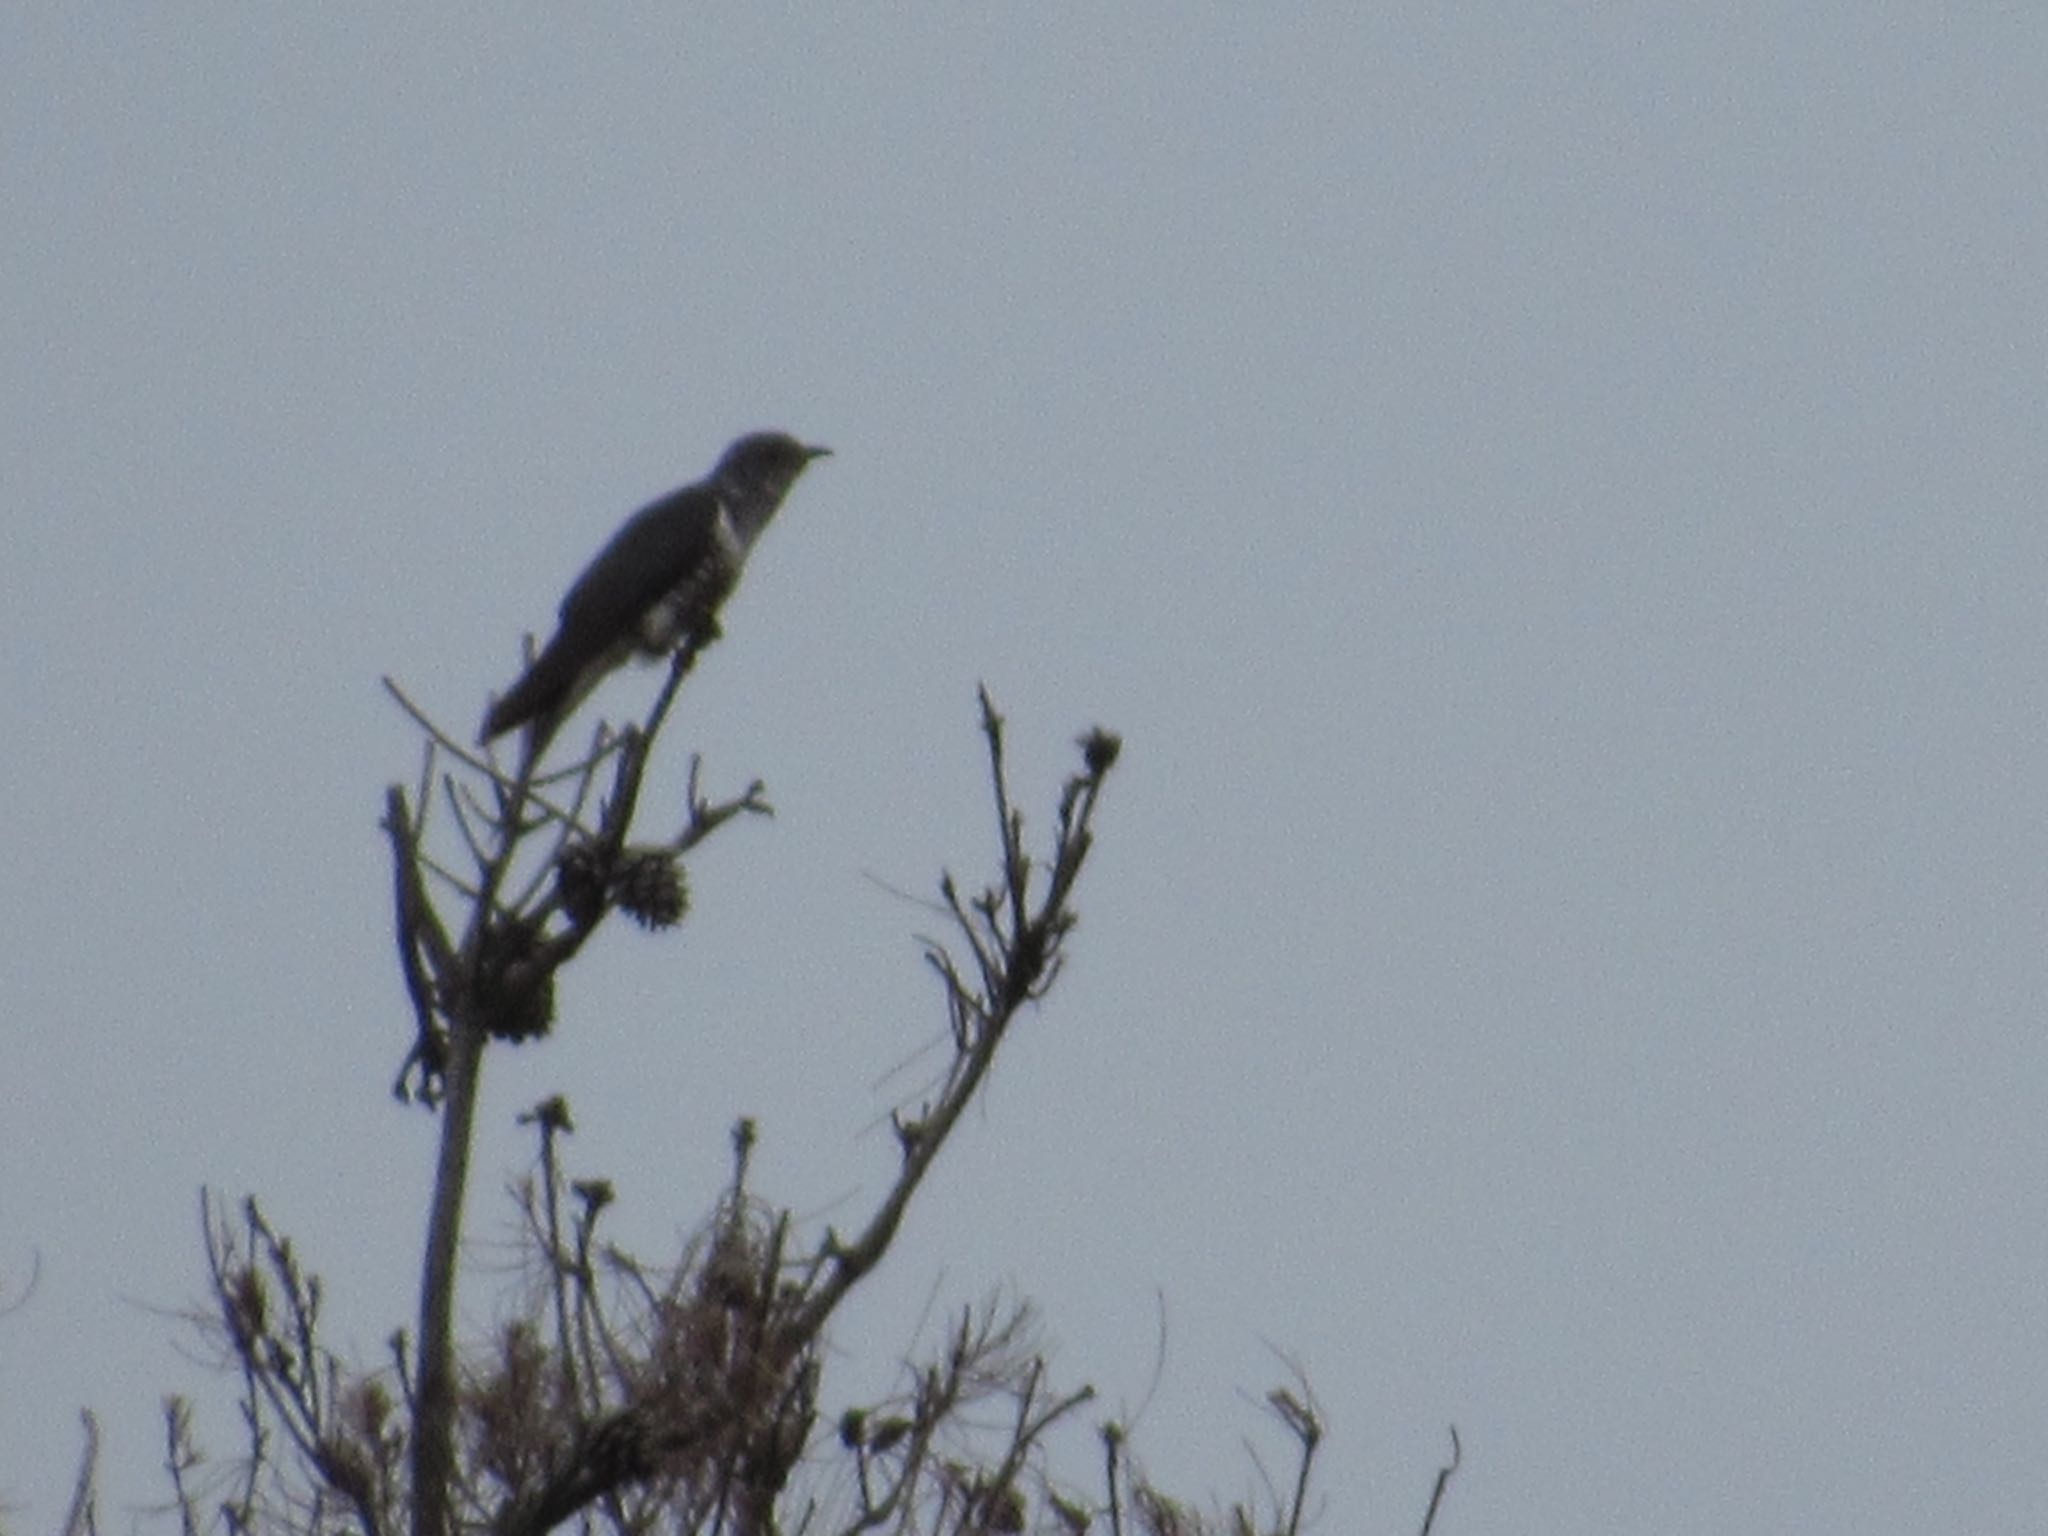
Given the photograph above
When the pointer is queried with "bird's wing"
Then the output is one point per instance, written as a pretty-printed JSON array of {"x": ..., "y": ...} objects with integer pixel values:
[{"x": 658, "y": 546}]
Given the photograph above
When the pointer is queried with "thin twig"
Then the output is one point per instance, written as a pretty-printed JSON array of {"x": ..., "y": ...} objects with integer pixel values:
[
  {"x": 81, "y": 1519},
  {"x": 1443, "y": 1480}
]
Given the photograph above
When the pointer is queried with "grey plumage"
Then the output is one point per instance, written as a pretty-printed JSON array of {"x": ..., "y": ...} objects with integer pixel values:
[{"x": 658, "y": 584}]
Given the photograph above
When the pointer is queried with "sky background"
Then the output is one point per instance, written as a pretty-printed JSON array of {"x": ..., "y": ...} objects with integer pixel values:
[{"x": 1550, "y": 495}]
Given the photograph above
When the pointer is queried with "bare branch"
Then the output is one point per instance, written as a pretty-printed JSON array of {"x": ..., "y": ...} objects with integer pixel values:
[
  {"x": 498, "y": 982},
  {"x": 1016, "y": 948}
]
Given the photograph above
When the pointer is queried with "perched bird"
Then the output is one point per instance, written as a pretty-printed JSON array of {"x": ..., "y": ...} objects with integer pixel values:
[{"x": 658, "y": 584}]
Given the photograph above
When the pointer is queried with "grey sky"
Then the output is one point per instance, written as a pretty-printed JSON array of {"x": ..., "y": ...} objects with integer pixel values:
[{"x": 1551, "y": 498}]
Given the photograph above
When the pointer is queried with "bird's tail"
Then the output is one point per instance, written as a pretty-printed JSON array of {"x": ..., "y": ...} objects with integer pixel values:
[{"x": 537, "y": 698}]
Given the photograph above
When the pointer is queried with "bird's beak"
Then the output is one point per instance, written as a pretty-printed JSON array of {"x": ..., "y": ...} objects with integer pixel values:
[{"x": 817, "y": 453}]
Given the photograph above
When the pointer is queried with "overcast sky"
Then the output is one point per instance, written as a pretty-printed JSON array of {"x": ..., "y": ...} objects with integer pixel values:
[{"x": 1551, "y": 496}]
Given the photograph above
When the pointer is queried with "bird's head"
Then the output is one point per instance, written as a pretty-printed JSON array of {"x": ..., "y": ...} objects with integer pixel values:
[{"x": 765, "y": 463}]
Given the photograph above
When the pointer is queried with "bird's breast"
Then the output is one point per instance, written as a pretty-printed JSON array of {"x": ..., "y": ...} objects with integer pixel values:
[
  {"x": 688, "y": 607},
  {"x": 663, "y": 625}
]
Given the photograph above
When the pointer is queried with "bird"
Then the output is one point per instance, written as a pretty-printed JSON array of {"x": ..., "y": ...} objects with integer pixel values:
[{"x": 657, "y": 586}]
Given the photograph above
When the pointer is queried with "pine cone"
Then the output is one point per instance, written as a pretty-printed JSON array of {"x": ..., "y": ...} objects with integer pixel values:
[
  {"x": 649, "y": 886},
  {"x": 579, "y": 881},
  {"x": 518, "y": 1002}
]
